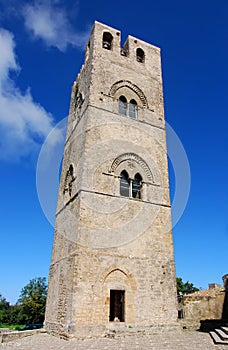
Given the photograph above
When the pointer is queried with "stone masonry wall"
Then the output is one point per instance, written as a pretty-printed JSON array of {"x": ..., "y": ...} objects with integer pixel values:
[
  {"x": 105, "y": 241},
  {"x": 203, "y": 305}
]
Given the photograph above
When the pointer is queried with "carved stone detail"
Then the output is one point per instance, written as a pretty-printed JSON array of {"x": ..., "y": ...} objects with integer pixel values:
[
  {"x": 132, "y": 157},
  {"x": 126, "y": 83},
  {"x": 76, "y": 103}
]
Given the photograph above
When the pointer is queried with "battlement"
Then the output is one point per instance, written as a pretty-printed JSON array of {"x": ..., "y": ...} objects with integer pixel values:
[
  {"x": 113, "y": 75},
  {"x": 104, "y": 37}
]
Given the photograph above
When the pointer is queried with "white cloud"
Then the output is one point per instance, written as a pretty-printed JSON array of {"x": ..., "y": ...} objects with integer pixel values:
[
  {"x": 50, "y": 23},
  {"x": 7, "y": 57},
  {"x": 23, "y": 123}
]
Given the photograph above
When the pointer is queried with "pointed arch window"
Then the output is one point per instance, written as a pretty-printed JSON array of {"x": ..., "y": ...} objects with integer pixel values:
[
  {"x": 133, "y": 109},
  {"x": 140, "y": 55},
  {"x": 124, "y": 184},
  {"x": 107, "y": 41},
  {"x": 137, "y": 186},
  {"x": 123, "y": 105},
  {"x": 129, "y": 109},
  {"x": 129, "y": 187}
]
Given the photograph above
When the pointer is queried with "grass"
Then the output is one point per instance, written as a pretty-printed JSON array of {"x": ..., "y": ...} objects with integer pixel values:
[{"x": 15, "y": 327}]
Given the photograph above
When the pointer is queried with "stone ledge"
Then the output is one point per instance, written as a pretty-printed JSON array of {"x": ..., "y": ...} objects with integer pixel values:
[
  {"x": 9, "y": 336},
  {"x": 112, "y": 330},
  {"x": 115, "y": 330}
]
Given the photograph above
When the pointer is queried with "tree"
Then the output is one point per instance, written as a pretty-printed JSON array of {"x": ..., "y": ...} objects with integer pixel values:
[
  {"x": 4, "y": 309},
  {"x": 185, "y": 288},
  {"x": 32, "y": 301},
  {"x": 14, "y": 315}
]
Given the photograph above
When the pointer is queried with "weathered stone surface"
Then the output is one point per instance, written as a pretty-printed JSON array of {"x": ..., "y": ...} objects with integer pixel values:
[
  {"x": 105, "y": 241},
  {"x": 157, "y": 341},
  {"x": 9, "y": 336},
  {"x": 206, "y": 304}
]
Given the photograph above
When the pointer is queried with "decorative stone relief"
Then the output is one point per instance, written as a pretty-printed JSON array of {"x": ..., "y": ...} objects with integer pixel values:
[
  {"x": 126, "y": 83},
  {"x": 77, "y": 104},
  {"x": 132, "y": 157}
]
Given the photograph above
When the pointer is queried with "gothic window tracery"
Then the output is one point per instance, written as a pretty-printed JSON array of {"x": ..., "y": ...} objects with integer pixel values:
[
  {"x": 123, "y": 105},
  {"x": 133, "y": 109},
  {"x": 77, "y": 102},
  {"x": 129, "y": 109},
  {"x": 133, "y": 92},
  {"x": 130, "y": 187},
  {"x": 78, "y": 99},
  {"x": 137, "y": 186},
  {"x": 124, "y": 184},
  {"x": 69, "y": 180}
]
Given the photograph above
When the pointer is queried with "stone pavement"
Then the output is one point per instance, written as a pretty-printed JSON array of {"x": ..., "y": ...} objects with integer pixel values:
[{"x": 171, "y": 340}]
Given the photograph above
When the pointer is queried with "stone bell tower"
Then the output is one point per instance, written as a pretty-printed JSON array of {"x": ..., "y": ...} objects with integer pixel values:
[{"x": 112, "y": 264}]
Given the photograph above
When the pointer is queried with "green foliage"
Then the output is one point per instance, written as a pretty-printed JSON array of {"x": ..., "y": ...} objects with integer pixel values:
[
  {"x": 13, "y": 327},
  {"x": 4, "y": 309},
  {"x": 15, "y": 315},
  {"x": 30, "y": 307},
  {"x": 185, "y": 288},
  {"x": 32, "y": 301}
]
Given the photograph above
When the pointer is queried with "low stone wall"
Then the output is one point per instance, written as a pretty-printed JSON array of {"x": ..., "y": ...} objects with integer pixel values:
[{"x": 9, "y": 336}]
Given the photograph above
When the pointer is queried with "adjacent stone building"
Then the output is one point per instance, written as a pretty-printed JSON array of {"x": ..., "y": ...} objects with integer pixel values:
[
  {"x": 205, "y": 305},
  {"x": 113, "y": 262}
]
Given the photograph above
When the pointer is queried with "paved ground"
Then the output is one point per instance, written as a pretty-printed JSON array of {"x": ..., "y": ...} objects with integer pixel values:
[{"x": 172, "y": 340}]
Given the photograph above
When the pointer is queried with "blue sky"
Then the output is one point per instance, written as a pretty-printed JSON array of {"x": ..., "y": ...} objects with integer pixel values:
[{"x": 41, "y": 51}]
